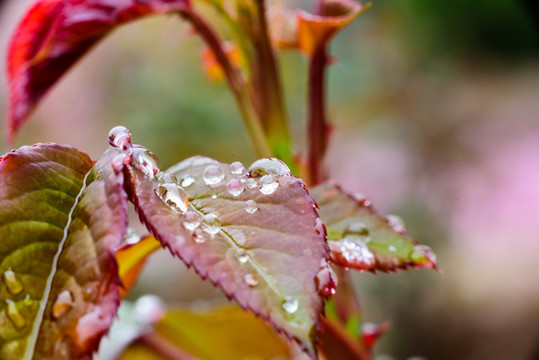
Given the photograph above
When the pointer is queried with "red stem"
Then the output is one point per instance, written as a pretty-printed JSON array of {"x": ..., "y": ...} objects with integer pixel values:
[{"x": 165, "y": 347}]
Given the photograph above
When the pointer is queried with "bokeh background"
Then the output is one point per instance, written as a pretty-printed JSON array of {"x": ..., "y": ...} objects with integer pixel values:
[{"x": 436, "y": 108}]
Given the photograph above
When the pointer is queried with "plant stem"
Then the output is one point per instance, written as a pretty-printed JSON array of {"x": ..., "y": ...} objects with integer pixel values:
[
  {"x": 165, "y": 347},
  {"x": 235, "y": 82},
  {"x": 346, "y": 302},
  {"x": 318, "y": 131}
]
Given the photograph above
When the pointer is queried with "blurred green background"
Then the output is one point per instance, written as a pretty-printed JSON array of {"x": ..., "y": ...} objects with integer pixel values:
[{"x": 436, "y": 108}]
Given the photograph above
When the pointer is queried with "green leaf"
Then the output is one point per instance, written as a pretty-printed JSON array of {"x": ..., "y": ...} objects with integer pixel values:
[
  {"x": 255, "y": 235},
  {"x": 362, "y": 239},
  {"x": 60, "y": 221}
]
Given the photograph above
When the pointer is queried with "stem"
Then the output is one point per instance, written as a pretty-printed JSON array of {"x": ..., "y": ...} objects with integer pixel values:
[
  {"x": 346, "y": 302},
  {"x": 318, "y": 130},
  {"x": 165, "y": 347},
  {"x": 235, "y": 82}
]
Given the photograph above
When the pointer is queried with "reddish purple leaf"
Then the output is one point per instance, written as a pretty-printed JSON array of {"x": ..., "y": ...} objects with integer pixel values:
[
  {"x": 362, "y": 239},
  {"x": 54, "y": 34},
  {"x": 256, "y": 236},
  {"x": 60, "y": 222}
]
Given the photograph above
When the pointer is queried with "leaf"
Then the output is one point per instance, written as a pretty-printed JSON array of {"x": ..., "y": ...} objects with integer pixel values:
[
  {"x": 131, "y": 258},
  {"x": 335, "y": 343},
  {"x": 260, "y": 240},
  {"x": 60, "y": 221},
  {"x": 362, "y": 239},
  {"x": 55, "y": 34},
  {"x": 232, "y": 332}
]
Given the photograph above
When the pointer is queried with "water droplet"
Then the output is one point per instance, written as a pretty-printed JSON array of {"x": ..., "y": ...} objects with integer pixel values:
[
  {"x": 174, "y": 196},
  {"x": 119, "y": 161},
  {"x": 213, "y": 175},
  {"x": 164, "y": 178},
  {"x": 251, "y": 280},
  {"x": 423, "y": 255},
  {"x": 146, "y": 161},
  {"x": 234, "y": 187},
  {"x": 290, "y": 305},
  {"x": 250, "y": 206},
  {"x": 268, "y": 166},
  {"x": 13, "y": 284},
  {"x": 211, "y": 224},
  {"x": 242, "y": 256},
  {"x": 396, "y": 223},
  {"x": 192, "y": 220},
  {"x": 199, "y": 236},
  {"x": 268, "y": 184},
  {"x": 187, "y": 181},
  {"x": 357, "y": 228},
  {"x": 326, "y": 280},
  {"x": 14, "y": 315},
  {"x": 392, "y": 248},
  {"x": 131, "y": 236},
  {"x": 214, "y": 196},
  {"x": 63, "y": 302},
  {"x": 237, "y": 168},
  {"x": 319, "y": 227},
  {"x": 251, "y": 183},
  {"x": 353, "y": 251},
  {"x": 149, "y": 309},
  {"x": 119, "y": 136}
]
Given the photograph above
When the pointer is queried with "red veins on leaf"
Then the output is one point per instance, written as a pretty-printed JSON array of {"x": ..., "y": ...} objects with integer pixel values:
[{"x": 55, "y": 34}]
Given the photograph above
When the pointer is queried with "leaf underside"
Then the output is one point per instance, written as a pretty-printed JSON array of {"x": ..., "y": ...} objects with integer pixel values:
[
  {"x": 55, "y": 34},
  {"x": 378, "y": 246},
  {"x": 60, "y": 221},
  {"x": 266, "y": 260}
]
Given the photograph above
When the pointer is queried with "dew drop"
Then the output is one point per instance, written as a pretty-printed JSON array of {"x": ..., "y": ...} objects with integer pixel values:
[
  {"x": 290, "y": 305},
  {"x": 213, "y": 175},
  {"x": 149, "y": 309},
  {"x": 237, "y": 168},
  {"x": 353, "y": 251},
  {"x": 174, "y": 196},
  {"x": 14, "y": 315},
  {"x": 13, "y": 284},
  {"x": 199, "y": 236},
  {"x": 392, "y": 248},
  {"x": 326, "y": 280},
  {"x": 211, "y": 223},
  {"x": 251, "y": 280},
  {"x": 187, "y": 181},
  {"x": 356, "y": 228},
  {"x": 268, "y": 166},
  {"x": 192, "y": 220},
  {"x": 166, "y": 178},
  {"x": 131, "y": 236},
  {"x": 242, "y": 256},
  {"x": 119, "y": 136},
  {"x": 423, "y": 255},
  {"x": 214, "y": 196},
  {"x": 251, "y": 183},
  {"x": 319, "y": 227},
  {"x": 396, "y": 223},
  {"x": 146, "y": 161},
  {"x": 63, "y": 302},
  {"x": 268, "y": 184},
  {"x": 234, "y": 187},
  {"x": 250, "y": 206}
]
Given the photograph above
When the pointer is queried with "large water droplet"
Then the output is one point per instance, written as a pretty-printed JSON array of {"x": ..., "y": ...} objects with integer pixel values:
[
  {"x": 174, "y": 196},
  {"x": 268, "y": 184},
  {"x": 234, "y": 187},
  {"x": 251, "y": 183},
  {"x": 326, "y": 280},
  {"x": 237, "y": 168},
  {"x": 396, "y": 223},
  {"x": 13, "y": 284},
  {"x": 146, "y": 161},
  {"x": 268, "y": 166},
  {"x": 211, "y": 224},
  {"x": 63, "y": 302},
  {"x": 164, "y": 178},
  {"x": 251, "y": 280},
  {"x": 187, "y": 181},
  {"x": 192, "y": 220},
  {"x": 14, "y": 315},
  {"x": 290, "y": 305},
  {"x": 356, "y": 228},
  {"x": 119, "y": 136},
  {"x": 251, "y": 206},
  {"x": 149, "y": 309},
  {"x": 213, "y": 175}
]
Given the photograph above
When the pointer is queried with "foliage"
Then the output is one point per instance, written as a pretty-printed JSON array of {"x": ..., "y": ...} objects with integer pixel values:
[{"x": 256, "y": 233}]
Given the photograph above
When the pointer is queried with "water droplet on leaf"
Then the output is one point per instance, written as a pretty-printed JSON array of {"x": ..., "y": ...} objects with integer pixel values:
[
  {"x": 211, "y": 223},
  {"x": 164, "y": 178},
  {"x": 396, "y": 223},
  {"x": 14, "y": 315},
  {"x": 251, "y": 183},
  {"x": 268, "y": 166},
  {"x": 392, "y": 248},
  {"x": 290, "y": 305},
  {"x": 213, "y": 175},
  {"x": 63, "y": 302},
  {"x": 251, "y": 280},
  {"x": 199, "y": 236},
  {"x": 187, "y": 181},
  {"x": 237, "y": 168},
  {"x": 234, "y": 187},
  {"x": 353, "y": 251},
  {"x": 326, "y": 280},
  {"x": 242, "y": 256},
  {"x": 174, "y": 196},
  {"x": 423, "y": 255},
  {"x": 356, "y": 228},
  {"x": 268, "y": 184},
  {"x": 119, "y": 136},
  {"x": 13, "y": 284},
  {"x": 146, "y": 161},
  {"x": 250, "y": 206},
  {"x": 192, "y": 220}
]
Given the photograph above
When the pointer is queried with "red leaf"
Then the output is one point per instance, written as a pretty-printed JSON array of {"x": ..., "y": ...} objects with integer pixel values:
[{"x": 54, "y": 34}]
